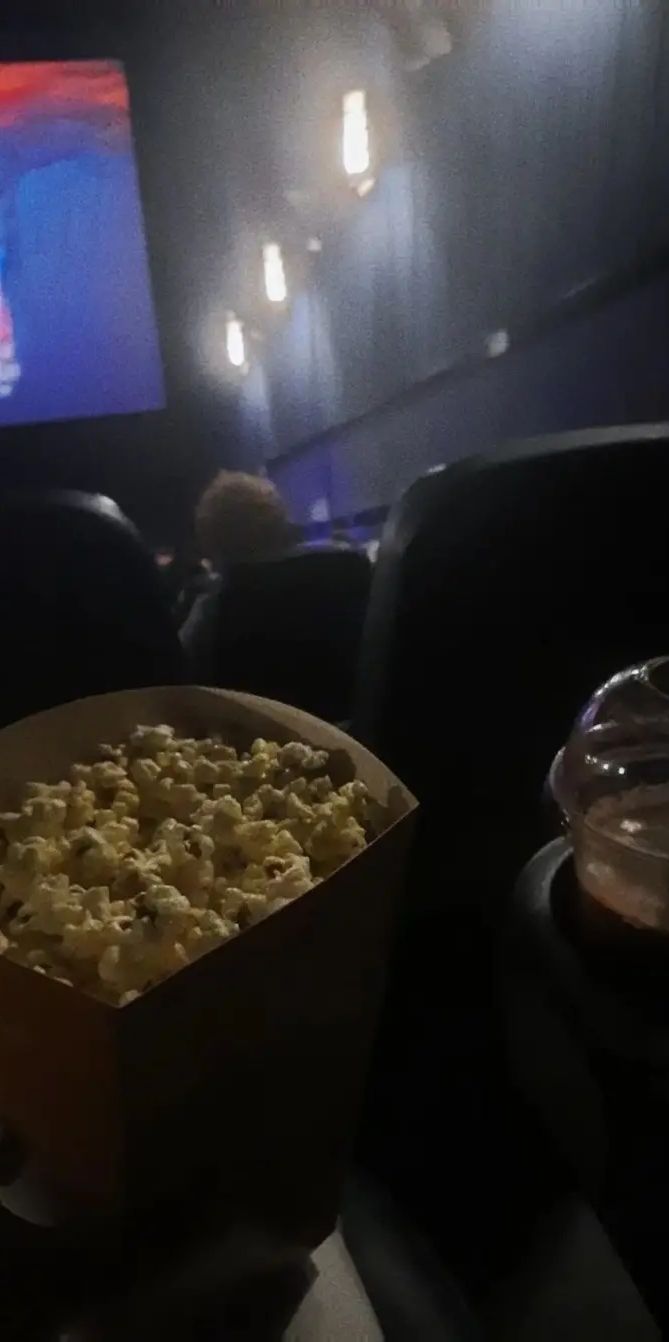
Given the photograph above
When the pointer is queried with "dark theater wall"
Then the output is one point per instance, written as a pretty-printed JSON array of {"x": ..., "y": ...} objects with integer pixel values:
[
  {"x": 608, "y": 367},
  {"x": 529, "y": 160},
  {"x": 522, "y": 188},
  {"x": 526, "y": 193}
]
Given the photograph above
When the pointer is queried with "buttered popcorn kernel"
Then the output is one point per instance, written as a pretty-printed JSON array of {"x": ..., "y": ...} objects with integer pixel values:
[{"x": 161, "y": 850}]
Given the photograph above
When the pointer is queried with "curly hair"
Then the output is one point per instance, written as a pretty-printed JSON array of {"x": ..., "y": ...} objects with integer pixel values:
[{"x": 241, "y": 518}]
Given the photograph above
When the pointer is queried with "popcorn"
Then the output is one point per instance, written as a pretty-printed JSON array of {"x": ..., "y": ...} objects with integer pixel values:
[
  {"x": 12, "y": 825},
  {"x": 268, "y": 748},
  {"x": 119, "y": 834},
  {"x": 89, "y": 940},
  {"x": 302, "y": 758},
  {"x": 205, "y": 773},
  {"x": 145, "y": 773},
  {"x": 96, "y": 901},
  {"x": 194, "y": 877},
  {"x": 227, "y": 899},
  {"x": 296, "y": 809},
  {"x": 137, "y": 872},
  {"x": 257, "y": 768},
  {"x": 151, "y": 740},
  {"x": 254, "y": 909},
  {"x": 272, "y": 801},
  {"x": 48, "y": 790},
  {"x": 126, "y": 801},
  {"x": 107, "y": 777},
  {"x": 161, "y": 850},
  {"x": 26, "y": 862},
  {"x": 320, "y": 788},
  {"x": 254, "y": 880},
  {"x": 337, "y": 835},
  {"x": 52, "y": 906},
  {"x": 254, "y": 839},
  {"x": 114, "y": 753},
  {"x": 356, "y": 794},
  {"x": 253, "y": 808},
  {"x": 286, "y": 844},
  {"x": 225, "y": 811},
  {"x": 177, "y": 767},
  {"x": 93, "y": 859},
  {"x": 170, "y": 907},
  {"x": 182, "y": 798},
  {"x": 46, "y": 816},
  {"x": 210, "y": 931},
  {"x": 288, "y": 877},
  {"x": 80, "y": 807},
  {"x": 109, "y": 965}
]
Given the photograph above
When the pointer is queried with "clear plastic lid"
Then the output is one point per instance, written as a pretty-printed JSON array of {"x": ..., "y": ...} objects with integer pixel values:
[{"x": 611, "y": 782}]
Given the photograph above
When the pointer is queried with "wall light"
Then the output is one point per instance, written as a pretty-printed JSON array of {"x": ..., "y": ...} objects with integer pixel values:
[
  {"x": 235, "y": 343},
  {"x": 276, "y": 287},
  {"x": 355, "y": 139},
  {"x": 497, "y": 343},
  {"x": 364, "y": 186}
]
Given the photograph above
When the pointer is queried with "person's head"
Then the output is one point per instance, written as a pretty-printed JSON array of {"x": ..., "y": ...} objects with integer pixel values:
[{"x": 240, "y": 519}]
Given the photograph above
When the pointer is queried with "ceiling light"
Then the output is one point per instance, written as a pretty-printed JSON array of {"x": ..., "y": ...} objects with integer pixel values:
[
  {"x": 234, "y": 341},
  {"x": 355, "y": 139},
  {"x": 275, "y": 274}
]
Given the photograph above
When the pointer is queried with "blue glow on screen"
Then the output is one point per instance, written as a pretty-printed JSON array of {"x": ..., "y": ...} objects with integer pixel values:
[{"x": 78, "y": 334}]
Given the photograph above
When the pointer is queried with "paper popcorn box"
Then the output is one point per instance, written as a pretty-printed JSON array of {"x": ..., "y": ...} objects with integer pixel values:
[{"x": 242, "y": 1072}]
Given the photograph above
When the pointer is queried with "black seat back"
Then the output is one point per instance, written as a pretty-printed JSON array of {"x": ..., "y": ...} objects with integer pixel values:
[
  {"x": 82, "y": 610},
  {"x": 506, "y": 590},
  {"x": 290, "y": 628}
]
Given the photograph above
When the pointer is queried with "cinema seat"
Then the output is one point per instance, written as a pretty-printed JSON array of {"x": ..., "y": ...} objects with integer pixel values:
[
  {"x": 81, "y": 607},
  {"x": 506, "y": 589},
  {"x": 290, "y": 629}
]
